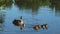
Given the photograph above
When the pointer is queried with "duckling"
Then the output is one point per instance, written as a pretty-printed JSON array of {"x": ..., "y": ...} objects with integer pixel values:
[
  {"x": 37, "y": 27},
  {"x": 46, "y": 26},
  {"x": 42, "y": 26}
]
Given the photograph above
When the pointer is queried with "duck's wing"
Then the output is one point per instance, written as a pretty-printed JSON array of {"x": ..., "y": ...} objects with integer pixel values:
[{"x": 15, "y": 22}]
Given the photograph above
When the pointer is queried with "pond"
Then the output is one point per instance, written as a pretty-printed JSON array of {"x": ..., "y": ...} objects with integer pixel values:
[{"x": 33, "y": 12}]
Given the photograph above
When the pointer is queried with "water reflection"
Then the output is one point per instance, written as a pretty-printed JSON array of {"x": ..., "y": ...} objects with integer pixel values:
[
  {"x": 36, "y": 4},
  {"x": 6, "y": 3},
  {"x": 2, "y": 18},
  {"x": 33, "y": 5},
  {"x": 1, "y": 27},
  {"x": 1, "y": 22},
  {"x": 55, "y": 4}
]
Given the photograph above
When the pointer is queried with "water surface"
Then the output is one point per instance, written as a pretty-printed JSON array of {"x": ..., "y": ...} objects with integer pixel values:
[{"x": 40, "y": 12}]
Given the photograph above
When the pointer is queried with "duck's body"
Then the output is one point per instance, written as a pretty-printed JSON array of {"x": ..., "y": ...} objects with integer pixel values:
[
  {"x": 21, "y": 23},
  {"x": 37, "y": 27},
  {"x": 15, "y": 22}
]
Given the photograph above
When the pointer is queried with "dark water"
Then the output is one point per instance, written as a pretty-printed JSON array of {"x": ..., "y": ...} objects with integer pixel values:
[{"x": 36, "y": 12}]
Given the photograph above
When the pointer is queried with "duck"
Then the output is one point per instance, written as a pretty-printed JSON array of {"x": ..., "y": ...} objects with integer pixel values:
[
  {"x": 37, "y": 27},
  {"x": 18, "y": 22}
]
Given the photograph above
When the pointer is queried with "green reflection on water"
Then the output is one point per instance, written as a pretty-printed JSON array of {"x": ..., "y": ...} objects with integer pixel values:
[
  {"x": 28, "y": 4},
  {"x": 34, "y": 5},
  {"x": 6, "y": 3}
]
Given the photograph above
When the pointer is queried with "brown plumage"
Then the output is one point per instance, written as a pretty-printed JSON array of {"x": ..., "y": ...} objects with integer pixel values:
[
  {"x": 15, "y": 22},
  {"x": 21, "y": 24}
]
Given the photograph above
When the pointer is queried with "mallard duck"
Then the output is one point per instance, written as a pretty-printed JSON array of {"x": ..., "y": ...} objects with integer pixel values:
[
  {"x": 37, "y": 27},
  {"x": 19, "y": 23}
]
